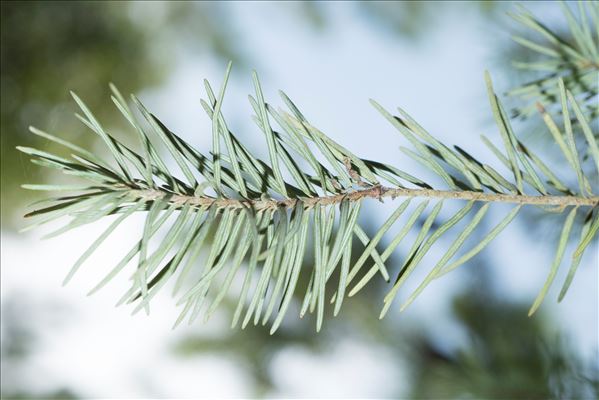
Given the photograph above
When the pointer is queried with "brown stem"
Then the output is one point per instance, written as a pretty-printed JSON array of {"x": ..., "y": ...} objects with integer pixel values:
[{"x": 376, "y": 192}]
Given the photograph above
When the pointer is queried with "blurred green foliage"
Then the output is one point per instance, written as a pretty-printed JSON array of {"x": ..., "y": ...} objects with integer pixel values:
[
  {"x": 49, "y": 48},
  {"x": 410, "y": 20},
  {"x": 413, "y": 19},
  {"x": 506, "y": 356}
]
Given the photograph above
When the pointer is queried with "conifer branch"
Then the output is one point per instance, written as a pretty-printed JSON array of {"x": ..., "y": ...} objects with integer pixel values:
[
  {"x": 264, "y": 217},
  {"x": 373, "y": 192},
  {"x": 573, "y": 59}
]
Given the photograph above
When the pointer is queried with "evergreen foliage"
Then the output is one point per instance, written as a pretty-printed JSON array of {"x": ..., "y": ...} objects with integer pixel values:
[
  {"x": 237, "y": 210},
  {"x": 574, "y": 59}
]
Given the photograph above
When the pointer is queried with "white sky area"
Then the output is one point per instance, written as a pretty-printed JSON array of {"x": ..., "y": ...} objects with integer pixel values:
[{"x": 102, "y": 351}]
